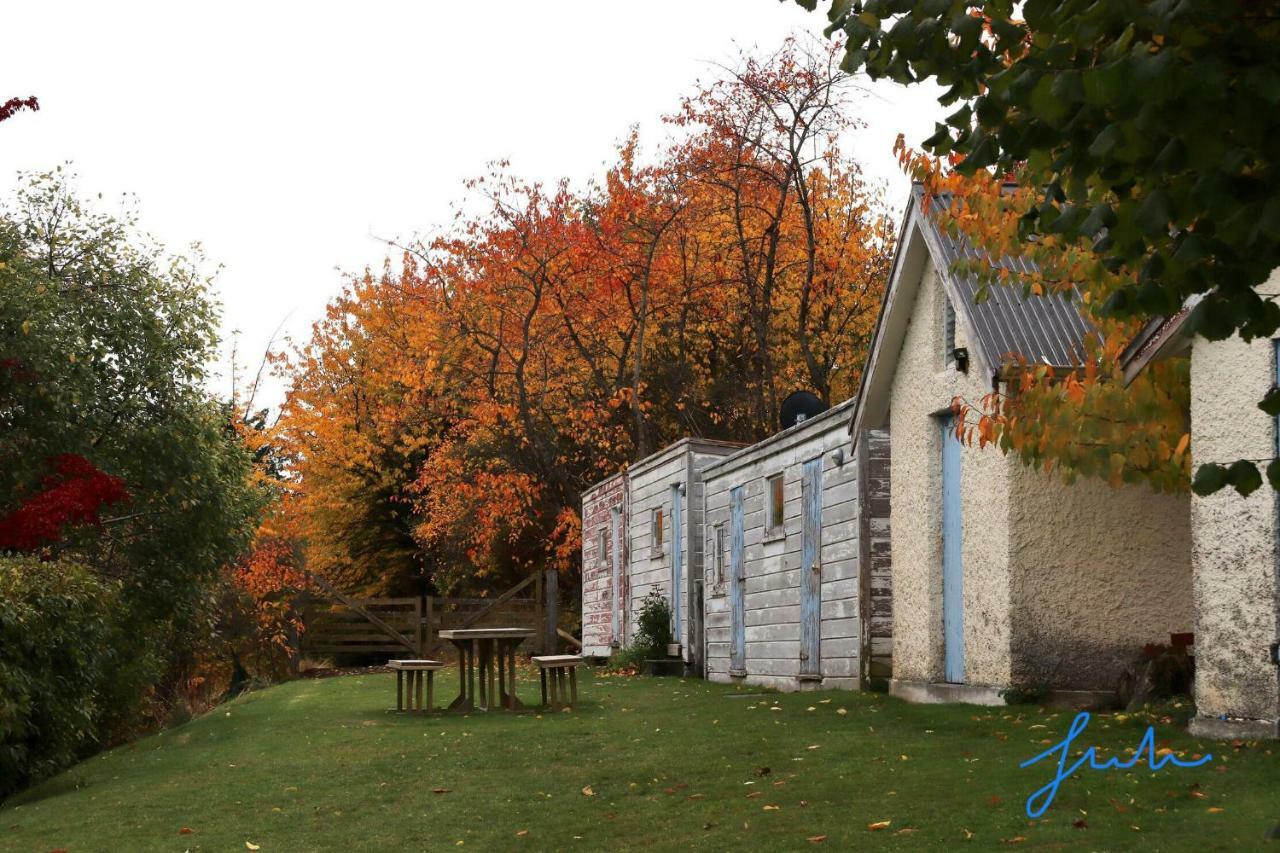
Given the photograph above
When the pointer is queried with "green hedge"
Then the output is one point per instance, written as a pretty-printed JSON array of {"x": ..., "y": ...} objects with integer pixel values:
[{"x": 54, "y": 654}]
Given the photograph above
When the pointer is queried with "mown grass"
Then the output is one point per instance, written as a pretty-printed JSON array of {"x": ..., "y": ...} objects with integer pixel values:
[{"x": 663, "y": 763}]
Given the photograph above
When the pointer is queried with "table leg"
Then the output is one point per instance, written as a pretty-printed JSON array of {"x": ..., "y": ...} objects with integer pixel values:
[
  {"x": 463, "y": 702},
  {"x": 431, "y": 690},
  {"x": 543, "y": 676},
  {"x": 511, "y": 676},
  {"x": 502, "y": 675},
  {"x": 573, "y": 685},
  {"x": 493, "y": 650},
  {"x": 418, "y": 688},
  {"x": 399, "y": 689},
  {"x": 478, "y": 652}
]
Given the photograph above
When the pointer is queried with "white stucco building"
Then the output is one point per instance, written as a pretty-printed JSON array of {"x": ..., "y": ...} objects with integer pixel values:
[
  {"x": 1002, "y": 575},
  {"x": 1235, "y": 544}
]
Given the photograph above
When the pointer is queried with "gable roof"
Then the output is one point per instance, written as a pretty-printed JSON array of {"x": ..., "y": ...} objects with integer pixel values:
[{"x": 1043, "y": 329}]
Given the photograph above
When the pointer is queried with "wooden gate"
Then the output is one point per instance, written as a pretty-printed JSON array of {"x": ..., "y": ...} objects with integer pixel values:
[{"x": 340, "y": 624}]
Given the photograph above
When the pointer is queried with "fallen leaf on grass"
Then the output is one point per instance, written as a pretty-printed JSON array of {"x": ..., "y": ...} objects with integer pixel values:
[
  {"x": 697, "y": 796},
  {"x": 1017, "y": 839},
  {"x": 841, "y": 711},
  {"x": 879, "y": 825},
  {"x": 587, "y": 792},
  {"x": 252, "y": 846},
  {"x": 1079, "y": 823},
  {"x": 1216, "y": 810},
  {"x": 439, "y": 790},
  {"x": 770, "y": 808},
  {"x": 521, "y": 833},
  {"x": 816, "y": 839},
  {"x": 906, "y": 830},
  {"x": 186, "y": 830},
  {"x": 755, "y": 794}
]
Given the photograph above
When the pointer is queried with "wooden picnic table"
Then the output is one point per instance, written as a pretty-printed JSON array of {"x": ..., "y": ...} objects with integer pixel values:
[{"x": 493, "y": 652}]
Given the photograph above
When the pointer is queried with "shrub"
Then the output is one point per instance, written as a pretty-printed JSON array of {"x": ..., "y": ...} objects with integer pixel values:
[
  {"x": 54, "y": 655},
  {"x": 653, "y": 626},
  {"x": 626, "y": 660}
]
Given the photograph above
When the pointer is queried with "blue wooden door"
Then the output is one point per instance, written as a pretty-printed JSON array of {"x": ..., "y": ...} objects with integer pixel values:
[
  {"x": 811, "y": 569},
  {"x": 737, "y": 588},
  {"x": 677, "y": 556},
  {"x": 952, "y": 568}
]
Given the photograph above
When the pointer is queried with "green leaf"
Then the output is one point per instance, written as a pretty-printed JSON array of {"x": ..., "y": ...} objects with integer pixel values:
[
  {"x": 1106, "y": 142},
  {"x": 1045, "y": 104},
  {"x": 1103, "y": 84},
  {"x": 1153, "y": 214}
]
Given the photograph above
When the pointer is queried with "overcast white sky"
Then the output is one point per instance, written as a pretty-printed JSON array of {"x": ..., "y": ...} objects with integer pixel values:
[{"x": 287, "y": 137}]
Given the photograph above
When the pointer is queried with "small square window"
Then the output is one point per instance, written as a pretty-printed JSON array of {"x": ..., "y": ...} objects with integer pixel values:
[
  {"x": 656, "y": 530},
  {"x": 774, "y": 505},
  {"x": 602, "y": 544}
]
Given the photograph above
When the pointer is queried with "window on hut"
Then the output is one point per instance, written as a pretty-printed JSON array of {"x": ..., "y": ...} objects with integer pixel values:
[
  {"x": 774, "y": 504},
  {"x": 602, "y": 544},
  {"x": 656, "y": 530},
  {"x": 719, "y": 553}
]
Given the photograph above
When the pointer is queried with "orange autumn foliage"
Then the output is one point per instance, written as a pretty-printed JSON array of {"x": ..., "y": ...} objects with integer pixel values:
[
  {"x": 1078, "y": 419},
  {"x": 447, "y": 413}
]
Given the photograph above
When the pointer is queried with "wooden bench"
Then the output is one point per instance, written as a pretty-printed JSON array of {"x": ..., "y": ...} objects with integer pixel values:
[
  {"x": 414, "y": 669},
  {"x": 558, "y": 666}
]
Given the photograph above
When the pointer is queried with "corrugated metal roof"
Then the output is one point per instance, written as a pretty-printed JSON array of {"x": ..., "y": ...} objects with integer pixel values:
[{"x": 1044, "y": 329}]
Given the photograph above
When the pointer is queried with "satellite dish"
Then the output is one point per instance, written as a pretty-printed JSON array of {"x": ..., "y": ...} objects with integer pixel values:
[{"x": 799, "y": 407}]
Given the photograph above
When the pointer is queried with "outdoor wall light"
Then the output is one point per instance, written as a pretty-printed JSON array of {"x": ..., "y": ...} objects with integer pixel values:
[
  {"x": 961, "y": 357},
  {"x": 837, "y": 456}
]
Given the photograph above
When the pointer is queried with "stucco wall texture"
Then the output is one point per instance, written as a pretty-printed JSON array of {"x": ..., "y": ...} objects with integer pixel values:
[
  {"x": 923, "y": 387},
  {"x": 1062, "y": 584},
  {"x": 1234, "y": 551},
  {"x": 1096, "y": 572}
]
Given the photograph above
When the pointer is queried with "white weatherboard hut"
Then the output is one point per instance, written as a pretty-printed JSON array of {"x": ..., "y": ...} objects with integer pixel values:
[
  {"x": 787, "y": 603},
  {"x": 664, "y": 540}
]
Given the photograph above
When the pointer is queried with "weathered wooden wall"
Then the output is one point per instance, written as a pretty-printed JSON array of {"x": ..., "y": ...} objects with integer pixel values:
[
  {"x": 873, "y": 450},
  {"x": 649, "y": 487},
  {"x": 598, "y": 601},
  {"x": 773, "y": 566}
]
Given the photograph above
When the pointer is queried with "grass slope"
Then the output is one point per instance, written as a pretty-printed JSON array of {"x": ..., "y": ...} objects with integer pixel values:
[{"x": 320, "y": 765}]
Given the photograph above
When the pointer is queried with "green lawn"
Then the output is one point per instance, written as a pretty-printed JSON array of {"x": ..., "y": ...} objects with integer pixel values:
[{"x": 662, "y": 762}]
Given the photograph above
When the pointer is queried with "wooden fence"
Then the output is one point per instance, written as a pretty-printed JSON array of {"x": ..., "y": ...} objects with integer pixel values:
[{"x": 339, "y": 624}]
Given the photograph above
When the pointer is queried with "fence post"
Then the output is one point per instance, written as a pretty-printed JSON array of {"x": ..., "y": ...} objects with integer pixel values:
[
  {"x": 417, "y": 627},
  {"x": 537, "y": 613},
  {"x": 551, "y": 622},
  {"x": 430, "y": 625}
]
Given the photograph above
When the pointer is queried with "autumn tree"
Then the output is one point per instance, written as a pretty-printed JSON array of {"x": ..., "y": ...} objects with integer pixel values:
[
  {"x": 1148, "y": 129},
  {"x": 551, "y": 335}
]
